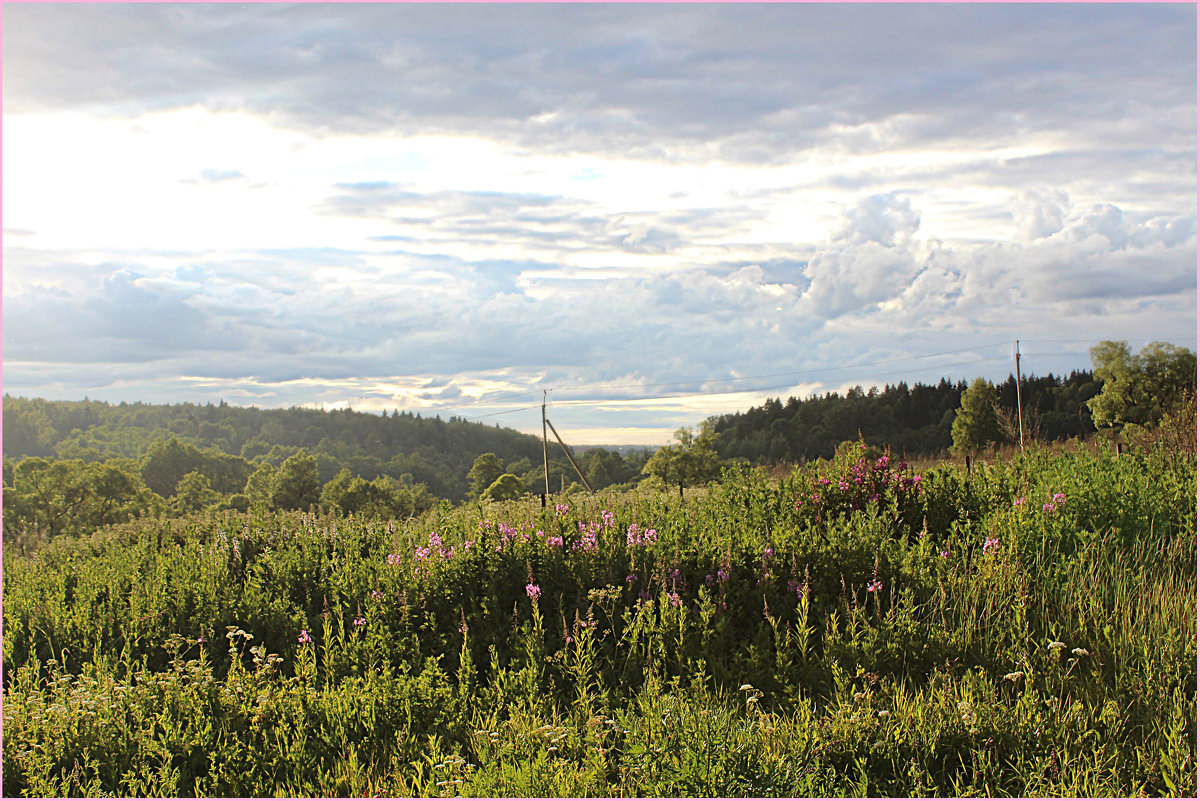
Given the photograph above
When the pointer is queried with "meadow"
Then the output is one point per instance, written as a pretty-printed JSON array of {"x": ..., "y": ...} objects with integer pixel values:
[{"x": 853, "y": 628}]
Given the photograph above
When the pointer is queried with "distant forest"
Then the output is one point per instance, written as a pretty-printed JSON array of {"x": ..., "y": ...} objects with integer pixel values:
[
  {"x": 233, "y": 440},
  {"x": 227, "y": 443},
  {"x": 913, "y": 420}
]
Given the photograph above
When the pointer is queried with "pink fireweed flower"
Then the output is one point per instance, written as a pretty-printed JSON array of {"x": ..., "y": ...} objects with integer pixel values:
[
  {"x": 561, "y": 509},
  {"x": 360, "y": 621},
  {"x": 1048, "y": 507},
  {"x": 376, "y": 594},
  {"x": 709, "y": 581},
  {"x": 875, "y": 586},
  {"x": 533, "y": 591},
  {"x": 554, "y": 542},
  {"x": 303, "y": 638},
  {"x": 675, "y": 599},
  {"x": 824, "y": 482},
  {"x": 881, "y": 463},
  {"x": 607, "y": 517},
  {"x": 944, "y": 554},
  {"x": 1059, "y": 497},
  {"x": 842, "y": 485},
  {"x": 393, "y": 558},
  {"x": 1019, "y": 501},
  {"x": 632, "y": 577},
  {"x": 990, "y": 543}
]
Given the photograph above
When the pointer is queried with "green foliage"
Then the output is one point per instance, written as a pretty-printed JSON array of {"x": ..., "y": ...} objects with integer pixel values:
[
  {"x": 856, "y": 628},
  {"x": 505, "y": 488},
  {"x": 976, "y": 424},
  {"x": 72, "y": 496},
  {"x": 296, "y": 485},
  {"x": 914, "y": 420},
  {"x": 193, "y": 493},
  {"x": 383, "y": 497},
  {"x": 483, "y": 473},
  {"x": 691, "y": 460},
  {"x": 1141, "y": 389}
]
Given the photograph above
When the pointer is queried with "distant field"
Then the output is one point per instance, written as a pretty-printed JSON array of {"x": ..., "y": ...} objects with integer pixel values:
[{"x": 858, "y": 628}]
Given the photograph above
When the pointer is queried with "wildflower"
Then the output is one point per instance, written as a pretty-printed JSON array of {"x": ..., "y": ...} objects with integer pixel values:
[
  {"x": 745, "y": 687},
  {"x": 376, "y": 594},
  {"x": 944, "y": 554},
  {"x": 393, "y": 559},
  {"x": 768, "y": 552},
  {"x": 360, "y": 621},
  {"x": 607, "y": 517},
  {"x": 722, "y": 575},
  {"x": 1048, "y": 507},
  {"x": 708, "y": 580},
  {"x": 554, "y": 542},
  {"x": 1080, "y": 652},
  {"x": 824, "y": 482},
  {"x": 842, "y": 485},
  {"x": 990, "y": 543},
  {"x": 1056, "y": 645},
  {"x": 533, "y": 591},
  {"x": 1059, "y": 497},
  {"x": 632, "y": 577},
  {"x": 561, "y": 509},
  {"x": 303, "y": 638},
  {"x": 875, "y": 586},
  {"x": 201, "y": 639},
  {"x": 1016, "y": 674},
  {"x": 675, "y": 599},
  {"x": 883, "y": 713},
  {"x": 1019, "y": 501},
  {"x": 882, "y": 463}
]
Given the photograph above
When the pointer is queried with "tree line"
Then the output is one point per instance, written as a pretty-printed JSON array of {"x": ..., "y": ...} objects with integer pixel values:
[
  {"x": 71, "y": 467},
  {"x": 915, "y": 419}
]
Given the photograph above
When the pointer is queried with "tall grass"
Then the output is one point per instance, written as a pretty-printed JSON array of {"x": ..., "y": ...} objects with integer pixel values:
[{"x": 854, "y": 628}]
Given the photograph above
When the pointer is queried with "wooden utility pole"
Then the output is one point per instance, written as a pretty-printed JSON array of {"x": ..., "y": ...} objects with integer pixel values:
[
  {"x": 1020, "y": 421},
  {"x": 570, "y": 458},
  {"x": 545, "y": 459}
]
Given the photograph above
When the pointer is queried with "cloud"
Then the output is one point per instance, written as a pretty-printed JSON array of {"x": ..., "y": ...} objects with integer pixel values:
[
  {"x": 451, "y": 202},
  {"x": 649, "y": 81}
]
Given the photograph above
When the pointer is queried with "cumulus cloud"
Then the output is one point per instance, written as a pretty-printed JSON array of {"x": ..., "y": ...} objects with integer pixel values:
[{"x": 472, "y": 201}]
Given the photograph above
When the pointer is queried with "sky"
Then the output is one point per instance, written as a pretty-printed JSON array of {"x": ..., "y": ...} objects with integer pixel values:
[{"x": 647, "y": 214}]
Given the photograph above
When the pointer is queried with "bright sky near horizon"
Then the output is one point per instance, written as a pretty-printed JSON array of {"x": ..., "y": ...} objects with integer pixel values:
[{"x": 656, "y": 212}]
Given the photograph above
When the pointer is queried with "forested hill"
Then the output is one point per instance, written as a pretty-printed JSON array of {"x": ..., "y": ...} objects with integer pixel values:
[
  {"x": 427, "y": 450},
  {"x": 913, "y": 420}
]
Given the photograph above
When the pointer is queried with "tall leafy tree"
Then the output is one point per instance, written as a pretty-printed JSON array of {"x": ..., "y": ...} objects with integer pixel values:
[
  {"x": 1140, "y": 388},
  {"x": 296, "y": 484},
  {"x": 977, "y": 424},
  {"x": 483, "y": 473},
  {"x": 690, "y": 460}
]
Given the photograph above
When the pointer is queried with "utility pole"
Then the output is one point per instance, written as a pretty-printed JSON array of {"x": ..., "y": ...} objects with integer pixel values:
[
  {"x": 545, "y": 459},
  {"x": 571, "y": 459},
  {"x": 1020, "y": 421}
]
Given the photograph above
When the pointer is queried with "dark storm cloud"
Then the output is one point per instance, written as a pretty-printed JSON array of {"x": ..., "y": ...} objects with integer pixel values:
[{"x": 644, "y": 80}]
